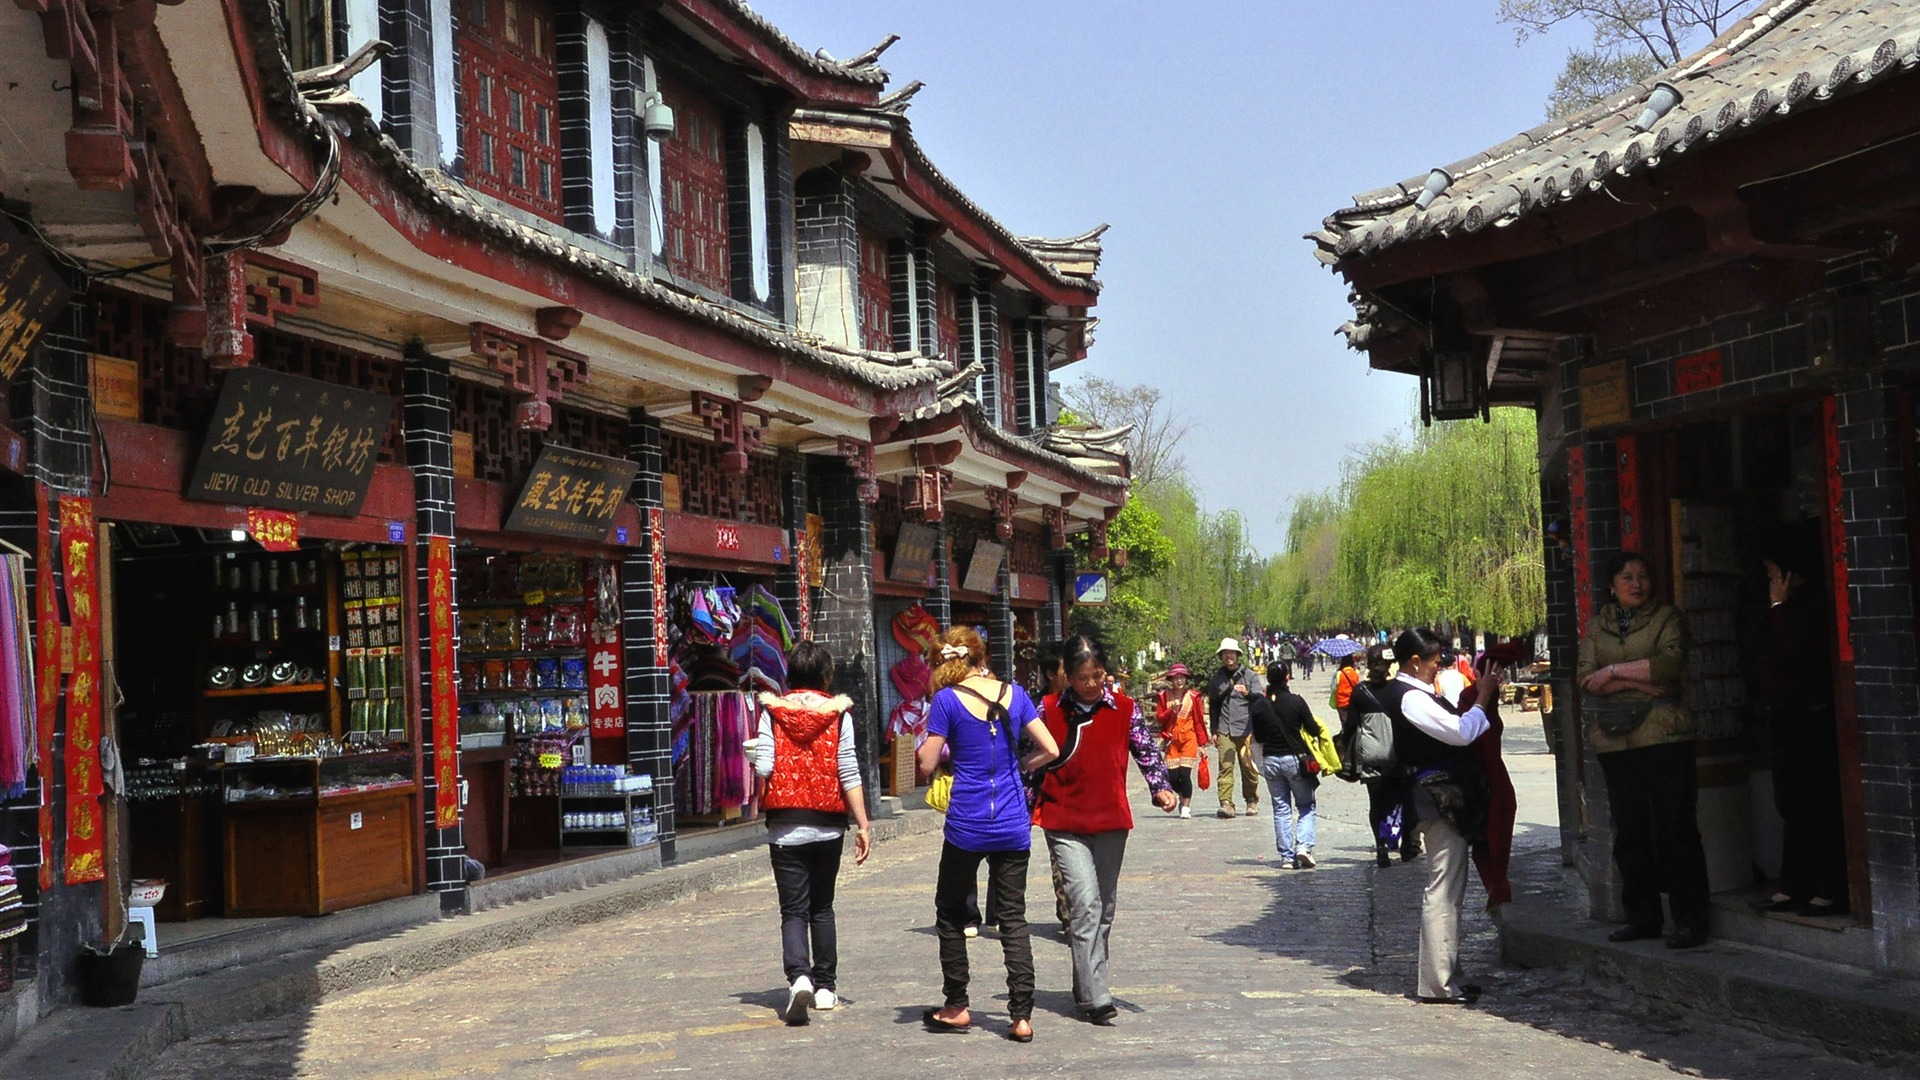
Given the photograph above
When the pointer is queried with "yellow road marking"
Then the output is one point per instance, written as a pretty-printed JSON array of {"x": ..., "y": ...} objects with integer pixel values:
[
  {"x": 619, "y": 1060},
  {"x": 724, "y": 1029},
  {"x": 611, "y": 1042},
  {"x": 1268, "y": 994},
  {"x": 1144, "y": 991}
]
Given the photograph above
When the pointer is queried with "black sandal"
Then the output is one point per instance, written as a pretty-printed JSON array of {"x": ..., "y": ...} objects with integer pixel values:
[{"x": 931, "y": 1018}]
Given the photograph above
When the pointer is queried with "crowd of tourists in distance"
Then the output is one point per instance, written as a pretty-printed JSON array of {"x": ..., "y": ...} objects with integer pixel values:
[{"x": 1419, "y": 728}]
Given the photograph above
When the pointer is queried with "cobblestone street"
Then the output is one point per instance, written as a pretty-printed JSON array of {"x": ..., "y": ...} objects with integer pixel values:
[{"x": 1225, "y": 966}]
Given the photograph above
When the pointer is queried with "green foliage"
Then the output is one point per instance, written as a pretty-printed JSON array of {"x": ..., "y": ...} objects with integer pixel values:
[{"x": 1443, "y": 527}]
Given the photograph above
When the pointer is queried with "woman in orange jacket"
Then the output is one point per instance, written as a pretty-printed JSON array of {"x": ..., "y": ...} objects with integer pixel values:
[{"x": 1183, "y": 731}]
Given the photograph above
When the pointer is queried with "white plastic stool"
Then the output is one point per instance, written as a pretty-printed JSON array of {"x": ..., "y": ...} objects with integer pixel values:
[{"x": 149, "y": 939}]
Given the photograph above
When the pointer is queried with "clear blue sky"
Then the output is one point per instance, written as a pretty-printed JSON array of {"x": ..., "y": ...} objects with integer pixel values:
[{"x": 1211, "y": 136}]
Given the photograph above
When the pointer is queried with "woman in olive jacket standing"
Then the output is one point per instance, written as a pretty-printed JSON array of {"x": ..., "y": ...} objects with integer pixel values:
[{"x": 1633, "y": 656}]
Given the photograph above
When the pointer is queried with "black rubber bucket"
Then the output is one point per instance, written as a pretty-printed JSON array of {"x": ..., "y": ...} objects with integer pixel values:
[{"x": 112, "y": 978}]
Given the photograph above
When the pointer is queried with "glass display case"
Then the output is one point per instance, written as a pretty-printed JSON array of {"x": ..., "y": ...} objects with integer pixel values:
[{"x": 279, "y": 779}]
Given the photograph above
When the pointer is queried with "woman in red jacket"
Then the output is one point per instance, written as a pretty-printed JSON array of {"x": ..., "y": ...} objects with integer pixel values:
[
  {"x": 1183, "y": 731},
  {"x": 1083, "y": 808}
]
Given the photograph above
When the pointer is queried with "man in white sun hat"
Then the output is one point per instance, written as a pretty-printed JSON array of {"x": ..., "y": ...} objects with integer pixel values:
[{"x": 1227, "y": 693}]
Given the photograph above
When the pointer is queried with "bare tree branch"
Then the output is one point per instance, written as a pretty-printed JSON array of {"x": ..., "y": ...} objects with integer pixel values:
[
  {"x": 1154, "y": 443},
  {"x": 1632, "y": 40}
]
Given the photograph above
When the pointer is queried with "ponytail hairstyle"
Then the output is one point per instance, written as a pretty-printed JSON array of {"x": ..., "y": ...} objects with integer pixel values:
[
  {"x": 1379, "y": 661},
  {"x": 960, "y": 651},
  {"x": 1418, "y": 643}
]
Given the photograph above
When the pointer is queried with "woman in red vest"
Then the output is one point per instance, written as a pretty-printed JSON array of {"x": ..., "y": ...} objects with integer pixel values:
[
  {"x": 1083, "y": 808},
  {"x": 805, "y": 752}
]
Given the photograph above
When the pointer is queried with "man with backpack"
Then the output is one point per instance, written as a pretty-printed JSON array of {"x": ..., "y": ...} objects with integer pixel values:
[{"x": 1365, "y": 743}]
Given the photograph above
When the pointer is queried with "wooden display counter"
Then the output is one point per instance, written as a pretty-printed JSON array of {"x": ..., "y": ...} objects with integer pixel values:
[{"x": 316, "y": 854}]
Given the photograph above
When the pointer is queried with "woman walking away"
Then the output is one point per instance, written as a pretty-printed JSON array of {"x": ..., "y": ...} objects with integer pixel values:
[
  {"x": 979, "y": 719},
  {"x": 1449, "y": 794},
  {"x": 1633, "y": 655},
  {"x": 1293, "y": 774},
  {"x": 805, "y": 751},
  {"x": 1083, "y": 808},
  {"x": 1183, "y": 731}
]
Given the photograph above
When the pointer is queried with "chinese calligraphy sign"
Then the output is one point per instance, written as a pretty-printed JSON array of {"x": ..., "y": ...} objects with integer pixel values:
[
  {"x": 445, "y": 702},
  {"x": 290, "y": 442},
  {"x": 80, "y": 561},
  {"x": 30, "y": 294},
  {"x": 572, "y": 494}
]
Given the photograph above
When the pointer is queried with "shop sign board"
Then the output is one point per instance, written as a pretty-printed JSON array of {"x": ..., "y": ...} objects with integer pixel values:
[
  {"x": 1090, "y": 588},
  {"x": 912, "y": 554},
  {"x": 983, "y": 567},
  {"x": 1698, "y": 371},
  {"x": 31, "y": 292},
  {"x": 291, "y": 443},
  {"x": 572, "y": 494},
  {"x": 116, "y": 387},
  {"x": 604, "y": 711},
  {"x": 274, "y": 530},
  {"x": 1606, "y": 395}
]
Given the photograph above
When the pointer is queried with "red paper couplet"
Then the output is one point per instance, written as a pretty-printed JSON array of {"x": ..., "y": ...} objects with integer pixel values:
[
  {"x": 445, "y": 704},
  {"x": 86, "y": 835}
]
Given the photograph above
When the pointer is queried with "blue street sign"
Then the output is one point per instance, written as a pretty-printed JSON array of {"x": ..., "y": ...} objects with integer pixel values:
[{"x": 1090, "y": 588}]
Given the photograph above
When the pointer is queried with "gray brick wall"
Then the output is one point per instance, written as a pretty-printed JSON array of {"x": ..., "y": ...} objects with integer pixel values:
[{"x": 843, "y": 620}]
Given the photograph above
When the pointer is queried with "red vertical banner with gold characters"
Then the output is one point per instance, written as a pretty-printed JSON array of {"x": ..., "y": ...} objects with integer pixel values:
[
  {"x": 46, "y": 677},
  {"x": 802, "y": 550},
  {"x": 445, "y": 699},
  {"x": 657, "y": 548},
  {"x": 1836, "y": 527},
  {"x": 80, "y": 562}
]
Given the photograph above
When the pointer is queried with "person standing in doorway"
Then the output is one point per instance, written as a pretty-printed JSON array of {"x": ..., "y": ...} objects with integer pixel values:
[
  {"x": 1228, "y": 690},
  {"x": 804, "y": 750}
]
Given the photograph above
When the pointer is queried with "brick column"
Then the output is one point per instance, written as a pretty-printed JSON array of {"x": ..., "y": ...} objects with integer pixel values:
[
  {"x": 1879, "y": 651},
  {"x": 53, "y": 410},
  {"x": 406, "y": 78},
  {"x": 787, "y": 586},
  {"x": 1594, "y": 499},
  {"x": 1060, "y": 567},
  {"x": 843, "y": 619},
  {"x": 827, "y": 253},
  {"x": 428, "y": 406},
  {"x": 649, "y": 727}
]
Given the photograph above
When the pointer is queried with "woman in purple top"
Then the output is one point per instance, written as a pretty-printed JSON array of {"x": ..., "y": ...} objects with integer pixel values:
[{"x": 978, "y": 720}]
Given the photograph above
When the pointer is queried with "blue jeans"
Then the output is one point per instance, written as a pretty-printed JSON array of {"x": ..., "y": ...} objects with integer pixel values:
[{"x": 1292, "y": 795}]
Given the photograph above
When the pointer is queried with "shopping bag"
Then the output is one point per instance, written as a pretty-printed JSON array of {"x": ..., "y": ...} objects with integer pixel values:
[
  {"x": 1323, "y": 751},
  {"x": 940, "y": 791},
  {"x": 1206, "y": 773}
]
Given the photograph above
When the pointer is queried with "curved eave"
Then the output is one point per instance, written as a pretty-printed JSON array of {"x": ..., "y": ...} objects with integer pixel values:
[
  {"x": 770, "y": 53},
  {"x": 996, "y": 454}
]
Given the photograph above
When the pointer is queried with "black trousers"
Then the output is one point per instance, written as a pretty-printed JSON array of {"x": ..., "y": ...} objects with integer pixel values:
[
  {"x": 1383, "y": 794},
  {"x": 1007, "y": 908},
  {"x": 804, "y": 875},
  {"x": 1806, "y": 791},
  {"x": 1656, "y": 834},
  {"x": 1182, "y": 781}
]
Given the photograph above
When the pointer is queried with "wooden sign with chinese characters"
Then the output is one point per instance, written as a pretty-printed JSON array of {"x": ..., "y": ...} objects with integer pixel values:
[
  {"x": 1606, "y": 395},
  {"x": 86, "y": 834},
  {"x": 572, "y": 494},
  {"x": 912, "y": 554},
  {"x": 983, "y": 567},
  {"x": 445, "y": 702},
  {"x": 290, "y": 442},
  {"x": 274, "y": 530},
  {"x": 116, "y": 387},
  {"x": 30, "y": 294}
]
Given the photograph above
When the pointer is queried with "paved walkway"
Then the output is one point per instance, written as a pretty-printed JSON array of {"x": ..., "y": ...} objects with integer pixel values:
[{"x": 1225, "y": 966}]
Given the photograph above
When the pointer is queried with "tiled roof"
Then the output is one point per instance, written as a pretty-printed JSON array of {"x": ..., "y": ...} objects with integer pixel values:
[
  {"x": 1788, "y": 56},
  {"x": 866, "y": 72},
  {"x": 956, "y": 397},
  {"x": 451, "y": 200},
  {"x": 1041, "y": 252}
]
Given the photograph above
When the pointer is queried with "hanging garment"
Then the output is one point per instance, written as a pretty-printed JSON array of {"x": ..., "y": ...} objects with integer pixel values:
[{"x": 17, "y": 727}]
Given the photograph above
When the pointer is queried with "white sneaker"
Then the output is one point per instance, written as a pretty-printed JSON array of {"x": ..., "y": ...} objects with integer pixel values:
[
  {"x": 825, "y": 1000},
  {"x": 971, "y": 931},
  {"x": 1186, "y": 811},
  {"x": 799, "y": 996}
]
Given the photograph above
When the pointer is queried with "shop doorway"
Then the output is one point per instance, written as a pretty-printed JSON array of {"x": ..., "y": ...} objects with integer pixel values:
[
  {"x": 263, "y": 704},
  {"x": 1710, "y": 504}
]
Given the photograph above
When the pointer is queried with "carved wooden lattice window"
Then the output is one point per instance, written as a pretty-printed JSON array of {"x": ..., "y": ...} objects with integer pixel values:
[
  {"x": 693, "y": 166},
  {"x": 510, "y": 87},
  {"x": 178, "y": 389},
  {"x": 876, "y": 293},
  {"x": 1028, "y": 554},
  {"x": 946, "y": 296},
  {"x": 886, "y": 518},
  {"x": 706, "y": 490},
  {"x": 503, "y": 451}
]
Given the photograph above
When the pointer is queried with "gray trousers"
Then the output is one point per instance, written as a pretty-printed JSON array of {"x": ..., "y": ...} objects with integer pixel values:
[
  {"x": 1090, "y": 869},
  {"x": 1447, "y": 867}
]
